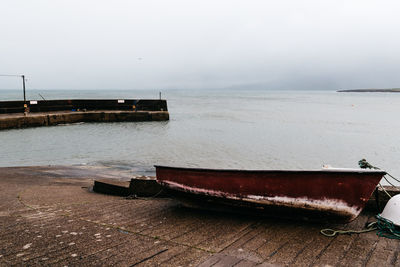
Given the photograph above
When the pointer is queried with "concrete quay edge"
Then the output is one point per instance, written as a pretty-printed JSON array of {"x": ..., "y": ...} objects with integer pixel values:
[{"x": 21, "y": 120}]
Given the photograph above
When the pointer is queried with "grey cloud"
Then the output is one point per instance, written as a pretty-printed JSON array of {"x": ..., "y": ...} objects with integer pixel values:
[{"x": 200, "y": 44}]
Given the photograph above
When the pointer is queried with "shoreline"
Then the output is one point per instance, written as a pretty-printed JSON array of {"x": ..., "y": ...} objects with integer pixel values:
[{"x": 391, "y": 90}]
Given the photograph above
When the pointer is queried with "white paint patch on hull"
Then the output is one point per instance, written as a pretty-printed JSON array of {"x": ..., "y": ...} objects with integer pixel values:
[{"x": 335, "y": 206}]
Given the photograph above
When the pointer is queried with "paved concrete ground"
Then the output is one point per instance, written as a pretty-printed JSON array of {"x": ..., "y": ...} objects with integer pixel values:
[{"x": 48, "y": 216}]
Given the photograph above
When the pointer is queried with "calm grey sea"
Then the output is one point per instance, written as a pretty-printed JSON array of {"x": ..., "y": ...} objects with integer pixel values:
[{"x": 241, "y": 129}]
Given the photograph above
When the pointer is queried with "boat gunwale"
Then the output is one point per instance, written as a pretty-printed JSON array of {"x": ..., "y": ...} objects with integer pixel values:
[{"x": 328, "y": 170}]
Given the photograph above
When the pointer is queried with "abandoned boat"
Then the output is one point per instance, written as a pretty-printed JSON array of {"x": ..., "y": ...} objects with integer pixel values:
[{"x": 326, "y": 194}]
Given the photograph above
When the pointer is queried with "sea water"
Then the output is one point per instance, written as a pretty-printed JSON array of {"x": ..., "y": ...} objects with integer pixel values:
[{"x": 221, "y": 128}]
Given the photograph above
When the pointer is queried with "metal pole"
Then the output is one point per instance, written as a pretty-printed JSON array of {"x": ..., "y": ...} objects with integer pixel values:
[
  {"x": 23, "y": 81},
  {"x": 23, "y": 84}
]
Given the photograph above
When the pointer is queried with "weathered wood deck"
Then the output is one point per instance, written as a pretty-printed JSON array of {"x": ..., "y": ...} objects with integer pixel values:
[{"x": 48, "y": 216}]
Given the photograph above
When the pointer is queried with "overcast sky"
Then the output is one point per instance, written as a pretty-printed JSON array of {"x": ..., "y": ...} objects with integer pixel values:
[{"x": 160, "y": 44}]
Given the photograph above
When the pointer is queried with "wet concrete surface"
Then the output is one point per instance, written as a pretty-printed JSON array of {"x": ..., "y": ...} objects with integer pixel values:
[{"x": 49, "y": 216}]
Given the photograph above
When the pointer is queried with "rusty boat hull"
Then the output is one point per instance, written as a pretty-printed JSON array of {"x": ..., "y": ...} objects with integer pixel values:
[{"x": 327, "y": 194}]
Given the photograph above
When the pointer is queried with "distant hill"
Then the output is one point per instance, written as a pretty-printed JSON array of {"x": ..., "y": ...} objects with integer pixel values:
[{"x": 389, "y": 90}]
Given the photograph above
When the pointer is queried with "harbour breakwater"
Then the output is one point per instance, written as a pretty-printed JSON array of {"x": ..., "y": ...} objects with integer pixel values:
[{"x": 20, "y": 114}]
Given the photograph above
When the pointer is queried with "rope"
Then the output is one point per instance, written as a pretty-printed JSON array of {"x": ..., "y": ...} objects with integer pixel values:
[
  {"x": 385, "y": 227},
  {"x": 364, "y": 164},
  {"x": 397, "y": 180},
  {"x": 388, "y": 181},
  {"x": 384, "y": 190},
  {"x": 331, "y": 233}
]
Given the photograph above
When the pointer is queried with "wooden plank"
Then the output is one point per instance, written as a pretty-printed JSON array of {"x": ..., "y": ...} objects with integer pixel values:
[{"x": 111, "y": 187}]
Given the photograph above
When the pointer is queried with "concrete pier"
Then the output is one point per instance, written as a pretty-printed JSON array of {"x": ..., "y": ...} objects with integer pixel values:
[
  {"x": 13, "y": 114},
  {"x": 20, "y": 120},
  {"x": 49, "y": 216}
]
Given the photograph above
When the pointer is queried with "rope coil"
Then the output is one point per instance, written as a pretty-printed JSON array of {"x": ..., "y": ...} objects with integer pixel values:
[{"x": 387, "y": 228}]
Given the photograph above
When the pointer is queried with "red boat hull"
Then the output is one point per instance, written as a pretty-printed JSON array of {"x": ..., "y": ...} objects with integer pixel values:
[{"x": 337, "y": 194}]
